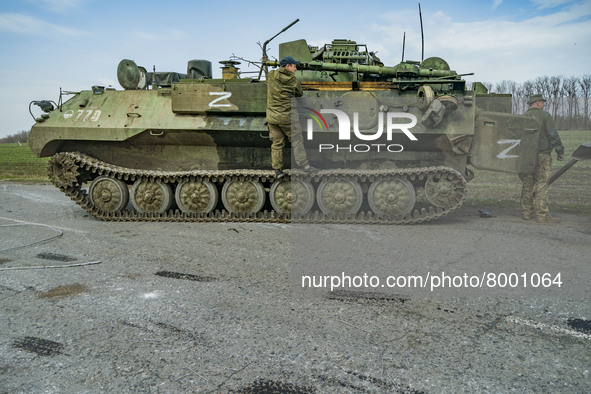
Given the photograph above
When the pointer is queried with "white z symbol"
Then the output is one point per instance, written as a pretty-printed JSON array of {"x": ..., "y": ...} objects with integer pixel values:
[
  {"x": 503, "y": 154},
  {"x": 223, "y": 95}
]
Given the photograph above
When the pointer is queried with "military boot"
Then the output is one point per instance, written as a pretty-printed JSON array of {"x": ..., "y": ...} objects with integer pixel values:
[
  {"x": 309, "y": 169},
  {"x": 547, "y": 219}
]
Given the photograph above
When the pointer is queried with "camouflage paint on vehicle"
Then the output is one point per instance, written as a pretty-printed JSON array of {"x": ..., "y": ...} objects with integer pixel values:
[{"x": 192, "y": 147}]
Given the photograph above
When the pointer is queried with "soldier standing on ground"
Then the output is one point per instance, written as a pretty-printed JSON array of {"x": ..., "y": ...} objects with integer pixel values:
[
  {"x": 282, "y": 85},
  {"x": 538, "y": 181}
]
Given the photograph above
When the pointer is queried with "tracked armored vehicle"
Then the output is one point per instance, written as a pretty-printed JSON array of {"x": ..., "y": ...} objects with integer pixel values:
[{"x": 188, "y": 147}]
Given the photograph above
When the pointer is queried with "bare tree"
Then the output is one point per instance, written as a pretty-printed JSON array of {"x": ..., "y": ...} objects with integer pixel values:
[
  {"x": 585, "y": 85},
  {"x": 567, "y": 98},
  {"x": 519, "y": 100},
  {"x": 555, "y": 88},
  {"x": 569, "y": 91},
  {"x": 505, "y": 87}
]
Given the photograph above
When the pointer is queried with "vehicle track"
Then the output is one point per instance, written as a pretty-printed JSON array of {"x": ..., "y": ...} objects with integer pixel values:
[{"x": 70, "y": 171}]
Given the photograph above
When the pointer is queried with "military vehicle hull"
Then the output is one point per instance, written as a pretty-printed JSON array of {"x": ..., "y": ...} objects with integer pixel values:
[{"x": 198, "y": 149}]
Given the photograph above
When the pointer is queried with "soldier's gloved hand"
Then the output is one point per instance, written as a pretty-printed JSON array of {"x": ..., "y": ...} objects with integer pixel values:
[{"x": 560, "y": 157}]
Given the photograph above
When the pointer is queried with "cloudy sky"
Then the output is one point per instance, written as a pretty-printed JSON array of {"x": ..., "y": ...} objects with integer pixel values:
[{"x": 74, "y": 44}]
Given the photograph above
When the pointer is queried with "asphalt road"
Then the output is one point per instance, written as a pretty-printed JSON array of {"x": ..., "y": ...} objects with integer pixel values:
[{"x": 187, "y": 307}]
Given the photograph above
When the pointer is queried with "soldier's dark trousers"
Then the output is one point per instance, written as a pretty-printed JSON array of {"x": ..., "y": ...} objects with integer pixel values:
[{"x": 277, "y": 134}]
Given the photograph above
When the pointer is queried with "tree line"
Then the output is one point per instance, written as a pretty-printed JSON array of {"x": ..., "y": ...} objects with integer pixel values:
[
  {"x": 567, "y": 98},
  {"x": 21, "y": 137}
]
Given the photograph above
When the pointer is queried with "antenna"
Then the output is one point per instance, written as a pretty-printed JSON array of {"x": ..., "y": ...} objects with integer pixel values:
[
  {"x": 265, "y": 58},
  {"x": 422, "y": 36},
  {"x": 403, "y": 44}
]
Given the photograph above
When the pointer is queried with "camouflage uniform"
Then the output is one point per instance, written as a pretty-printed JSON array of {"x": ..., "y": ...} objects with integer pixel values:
[
  {"x": 538, "y": 181},
  {"x": 282, "y": 85}
]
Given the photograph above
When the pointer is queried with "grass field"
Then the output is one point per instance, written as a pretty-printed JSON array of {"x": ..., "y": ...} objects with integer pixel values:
[
  {"x": 18, "y": 163},
  {"x": 572, "y": 191}
]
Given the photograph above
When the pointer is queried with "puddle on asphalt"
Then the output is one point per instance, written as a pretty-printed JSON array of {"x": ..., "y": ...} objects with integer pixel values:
[{"x": 64, "y": 291}]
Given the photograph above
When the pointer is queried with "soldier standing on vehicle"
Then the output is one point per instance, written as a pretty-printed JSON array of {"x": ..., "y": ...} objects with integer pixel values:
[
  {"x": 282, "y": 85},
  {"x": 538, "y": 180}
]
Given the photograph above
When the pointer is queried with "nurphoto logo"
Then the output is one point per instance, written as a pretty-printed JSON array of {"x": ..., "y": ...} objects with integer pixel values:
[{"x": 388, "y": 122}]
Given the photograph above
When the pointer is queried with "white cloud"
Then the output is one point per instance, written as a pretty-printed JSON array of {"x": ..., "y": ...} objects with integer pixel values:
[
  {"x": 24, "y": 24},
  {"x": 501, "y": 49},
  {"x": 59, "y": 6},
  {"x": 549, "y": 31},
  {"x": 541, "y": 4},
  {"x": 496, "y": 3}
]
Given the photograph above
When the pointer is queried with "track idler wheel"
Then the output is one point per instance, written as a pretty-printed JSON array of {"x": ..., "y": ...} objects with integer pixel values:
[
  {"x": 62, "y": 171},
  {"x": 440, "y": 191}
]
